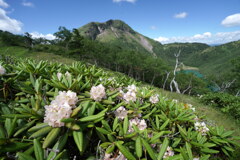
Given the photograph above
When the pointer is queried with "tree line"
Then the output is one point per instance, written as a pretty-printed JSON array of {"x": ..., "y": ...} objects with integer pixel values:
[{"x": 139, "y": 65}]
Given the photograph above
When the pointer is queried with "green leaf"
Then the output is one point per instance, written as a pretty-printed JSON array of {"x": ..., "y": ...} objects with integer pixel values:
[
  {"x": 148, "y": 148},
  {"x": 103, "y": 131},
  {"x": 23, "y": 156},
  {"x": 51, "y": 137},
  {"x": 14, "y": 146},
  {"x": 163, "y": 148},
  {"x": 58, "y": 146},
  {"x": 93, "y": 117},
  {"x": 41, "y": 132},
  {"x": 125, "y": 151},
  {"x": 67, "y": 120},
  {"x": 189, "y": 151},
  {"x": 12, "y": 127},
  {"x": 24, "y": 128},
  {"x": 115, "y": 124},
  {"x": 157, "y": 122},
  {"x": 76, "y": 111},
  {"x": 156, "y": 137},
  {"x": 164, "y": 124},
  {"x": 8, "y": 125},
  {"x": 37, "y": 127},
  {"x": 207, "y": 150},
  {"x": 125, "y": 125},
  {"x": 91, "y": 109},
  {"x": 73, "y": 126},
  {"x": 110, "y": 149},
  {"x": 138, "y": 147},
  {"x": 106, "y": 125},
  {"x": 78, "y": 138},
  {"x": 2, "y": 132},
  {"x": 176, "y": 142},
  {"x": 183, "y": 153},
  {"x": 60, "y": 155},
  {"x": 182, "y": 131},
  {"x": 39, "y": 154},
  {"x": 226, "y": 134},
  {"x": 205, "y": 157}
]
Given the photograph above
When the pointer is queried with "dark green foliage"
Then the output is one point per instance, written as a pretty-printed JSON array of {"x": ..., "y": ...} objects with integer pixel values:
[
  {"x": 8, "y": 38},
  {"x": 197, "y": 85},
  {"x": 93, "y": 128},
  {"x": 187, "y": 50},
  {"x": 227, "y": 103},
  {"x": 217, "y": 59}
]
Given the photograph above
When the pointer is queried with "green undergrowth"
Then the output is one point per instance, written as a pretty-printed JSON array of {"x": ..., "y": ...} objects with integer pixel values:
[{"x": 211, "y": 115}]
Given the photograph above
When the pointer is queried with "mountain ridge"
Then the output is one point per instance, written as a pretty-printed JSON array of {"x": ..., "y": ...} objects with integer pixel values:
[{"x": 119, "y": 33}]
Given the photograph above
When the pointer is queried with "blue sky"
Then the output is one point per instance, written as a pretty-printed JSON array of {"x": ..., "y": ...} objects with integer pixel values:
[{"x": 208, "y": 21}]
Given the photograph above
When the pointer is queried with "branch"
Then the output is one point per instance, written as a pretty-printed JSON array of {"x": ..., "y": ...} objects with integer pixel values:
[{"x": 164, "y": 84}]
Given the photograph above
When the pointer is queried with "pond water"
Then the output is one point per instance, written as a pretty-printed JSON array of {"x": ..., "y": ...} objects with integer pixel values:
[{"x": 196, "y": 73}]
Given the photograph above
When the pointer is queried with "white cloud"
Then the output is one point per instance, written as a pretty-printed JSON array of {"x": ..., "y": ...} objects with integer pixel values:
[
  {"x": 232, "y": 20},
  {"x": 27, "y": 4},
  {"x": 153, "y": 27},
  {"x": 202, "y": 36},
  {"x": 3, "y": 4},
  {"x": 40, "y": 35},
  {"x": 131, "y": 1},
  {"x": 9, "y": 24},
  {"x": 207, "y": 37},
  {"x": 181, "y": 15}
]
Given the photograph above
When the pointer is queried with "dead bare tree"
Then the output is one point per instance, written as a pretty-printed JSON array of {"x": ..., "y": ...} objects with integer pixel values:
[
  {"x": 189, "y": 87},
  {"x": 238, "y": 93},
  {"x": 224, "y": 85},
  {"x": 173, "y": 81},
  {"x": 164, "y": 84}
]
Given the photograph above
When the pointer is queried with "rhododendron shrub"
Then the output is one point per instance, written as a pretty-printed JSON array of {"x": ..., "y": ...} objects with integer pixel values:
[{"x": 52, "y": 111}]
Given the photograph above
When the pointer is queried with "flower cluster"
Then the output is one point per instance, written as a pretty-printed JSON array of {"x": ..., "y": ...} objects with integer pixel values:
[
  {"x": 60, "y": 107},
  {"x": 131, "y": 94},
  {"x": 98, "y": 92},
  {"x": 141, "y": 124},
  {"x": 120, "y": 156},
  {"x": 168, "y": 153},
  {"x": 67, "y": 74},
  {"x": 175, "y": 100},
  {"x": 154, "y": 99},
  {"x": 121, "y": 113},
  {"x": 189, "y": 106},
  {"x": 68, "y": 97},
  {"x": 201, "y": 127},
  {"x": 132, "y": 88},
  {"x": 2, "y": 70}
]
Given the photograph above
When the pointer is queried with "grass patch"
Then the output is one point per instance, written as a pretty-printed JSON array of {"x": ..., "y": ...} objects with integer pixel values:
[{"x": 211, "y": 114}]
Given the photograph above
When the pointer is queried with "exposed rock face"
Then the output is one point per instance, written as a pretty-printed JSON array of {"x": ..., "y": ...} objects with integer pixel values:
[{"x": 116, "y": 31}]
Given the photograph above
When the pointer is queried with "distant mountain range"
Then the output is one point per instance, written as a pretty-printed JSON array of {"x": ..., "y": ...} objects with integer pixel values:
[{"x": 209, "y": 59}]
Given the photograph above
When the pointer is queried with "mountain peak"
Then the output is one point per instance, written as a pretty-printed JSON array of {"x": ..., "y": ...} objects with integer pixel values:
[
  {"x": 93, "y": 29},
  {"x": 118, "y": 33}
]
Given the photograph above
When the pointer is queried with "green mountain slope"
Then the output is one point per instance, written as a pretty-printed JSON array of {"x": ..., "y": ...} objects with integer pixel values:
[
  {"x": 116, "y": 32},
  {"x": 208, "y": 59},
  {"x": 187, "y": 50},
  {"x": 217, "y": 59}
]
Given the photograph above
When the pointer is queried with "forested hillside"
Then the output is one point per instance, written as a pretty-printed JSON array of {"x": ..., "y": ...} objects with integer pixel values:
[{"x": 116, "y": 46}]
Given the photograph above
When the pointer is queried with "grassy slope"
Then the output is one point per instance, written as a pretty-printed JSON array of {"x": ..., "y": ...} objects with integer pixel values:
[
  {"x": 216, "y": 59},
  {"x": 212, "y": 115}
]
